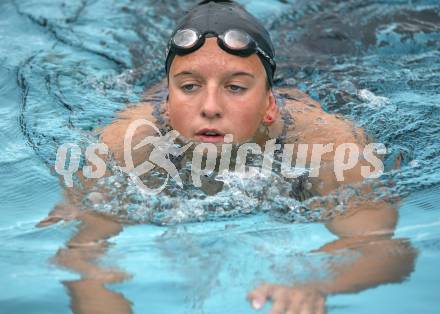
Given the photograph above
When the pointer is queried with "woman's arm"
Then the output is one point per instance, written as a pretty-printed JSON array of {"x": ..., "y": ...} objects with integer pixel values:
[
  {"x": 89, "y": 294},
  {"x": 374, "y": 258},
  {"x": 365, "y": 229},
  {"x": 81, "y": 253}
]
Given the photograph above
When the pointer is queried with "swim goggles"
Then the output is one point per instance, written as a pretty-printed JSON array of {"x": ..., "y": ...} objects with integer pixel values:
[{"x": 233, "y": 41}]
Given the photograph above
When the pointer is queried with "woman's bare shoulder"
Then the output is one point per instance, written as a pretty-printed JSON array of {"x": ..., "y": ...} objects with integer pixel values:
[
  {"x": 314, "y": 125},
  {"x": 141, "y": 110},
  {"x": 113, "y": 134},
  {"x": 297, "y": 99}
]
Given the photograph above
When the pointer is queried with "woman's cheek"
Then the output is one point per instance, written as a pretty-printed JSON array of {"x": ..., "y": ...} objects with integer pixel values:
[
  {"x": 247, "y": 128},
  {"x": 179, "y": 121}
]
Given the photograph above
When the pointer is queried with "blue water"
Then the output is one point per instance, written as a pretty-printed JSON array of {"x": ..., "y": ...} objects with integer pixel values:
[{"x": 67, "y": 67}]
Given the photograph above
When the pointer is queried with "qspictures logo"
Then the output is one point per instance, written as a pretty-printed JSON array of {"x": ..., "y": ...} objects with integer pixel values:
[{"x": 163, "y": 149}]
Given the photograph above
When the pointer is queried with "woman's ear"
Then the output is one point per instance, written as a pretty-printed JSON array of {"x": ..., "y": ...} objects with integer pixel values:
[{"x": 271, "y": 113}]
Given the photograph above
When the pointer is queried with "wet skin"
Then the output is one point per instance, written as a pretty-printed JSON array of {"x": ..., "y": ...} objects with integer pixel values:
[{"x": 212, "y": 93}]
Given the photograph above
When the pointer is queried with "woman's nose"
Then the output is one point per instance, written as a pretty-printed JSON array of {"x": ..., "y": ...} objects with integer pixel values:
[{"x": 212, "y": 107}]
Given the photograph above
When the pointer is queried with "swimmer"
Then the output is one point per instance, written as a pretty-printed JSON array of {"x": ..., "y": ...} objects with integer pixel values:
[{"x": 220, "y": 71}]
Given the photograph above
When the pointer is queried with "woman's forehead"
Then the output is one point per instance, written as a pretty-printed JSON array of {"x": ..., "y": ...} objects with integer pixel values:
[{"x": 210, "y": 60}]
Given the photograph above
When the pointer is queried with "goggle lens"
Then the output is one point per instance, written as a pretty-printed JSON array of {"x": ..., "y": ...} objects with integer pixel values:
[
  {"x": 236, "y": 40},
  {"x": 185, "y": 38}
]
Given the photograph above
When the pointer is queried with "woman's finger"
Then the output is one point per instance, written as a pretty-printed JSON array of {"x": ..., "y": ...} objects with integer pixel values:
[
  {"x": 320, "y": 306},
  {"x": 278, "y": 306},
  {"x": 296, "y": 301},
  {"x": 259, "y": 295},
  {"x": 49, "y": 221}
]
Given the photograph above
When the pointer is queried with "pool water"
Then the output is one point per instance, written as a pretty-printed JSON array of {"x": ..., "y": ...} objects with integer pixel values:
[{"x": 68, "y": 67}]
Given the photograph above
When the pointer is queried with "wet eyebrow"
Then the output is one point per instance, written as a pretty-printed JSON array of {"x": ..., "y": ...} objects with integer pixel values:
[
  {"x": 242, "y": 73},
  {"x": 183, "y": 73}
]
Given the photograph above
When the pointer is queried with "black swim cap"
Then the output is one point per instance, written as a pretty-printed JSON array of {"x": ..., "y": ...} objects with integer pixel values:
[{"x": 219, "y": 16}]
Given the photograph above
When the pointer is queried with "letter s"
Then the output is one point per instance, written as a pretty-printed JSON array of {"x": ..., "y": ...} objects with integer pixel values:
[{"x": 373, "y": 160}]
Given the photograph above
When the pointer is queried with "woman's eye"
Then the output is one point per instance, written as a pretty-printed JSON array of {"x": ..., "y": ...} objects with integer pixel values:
[
  {"x": 236, "y": 88},
  {"x": 189, "y": 87}
]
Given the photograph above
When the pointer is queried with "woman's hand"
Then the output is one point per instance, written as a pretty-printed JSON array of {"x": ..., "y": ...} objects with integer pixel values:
[
  {"x": 61, "y": 212},
  {"x": 305, "y": 299}
]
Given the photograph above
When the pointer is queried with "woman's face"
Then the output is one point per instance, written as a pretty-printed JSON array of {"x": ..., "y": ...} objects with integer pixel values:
[{"x": 213, "y": 93}]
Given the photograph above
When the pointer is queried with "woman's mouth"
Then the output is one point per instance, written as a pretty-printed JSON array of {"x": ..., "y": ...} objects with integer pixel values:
[{"x": 210, "y": 136}]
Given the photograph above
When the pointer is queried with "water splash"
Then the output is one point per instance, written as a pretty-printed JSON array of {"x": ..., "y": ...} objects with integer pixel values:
[{"x": 376, "y": 64}]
